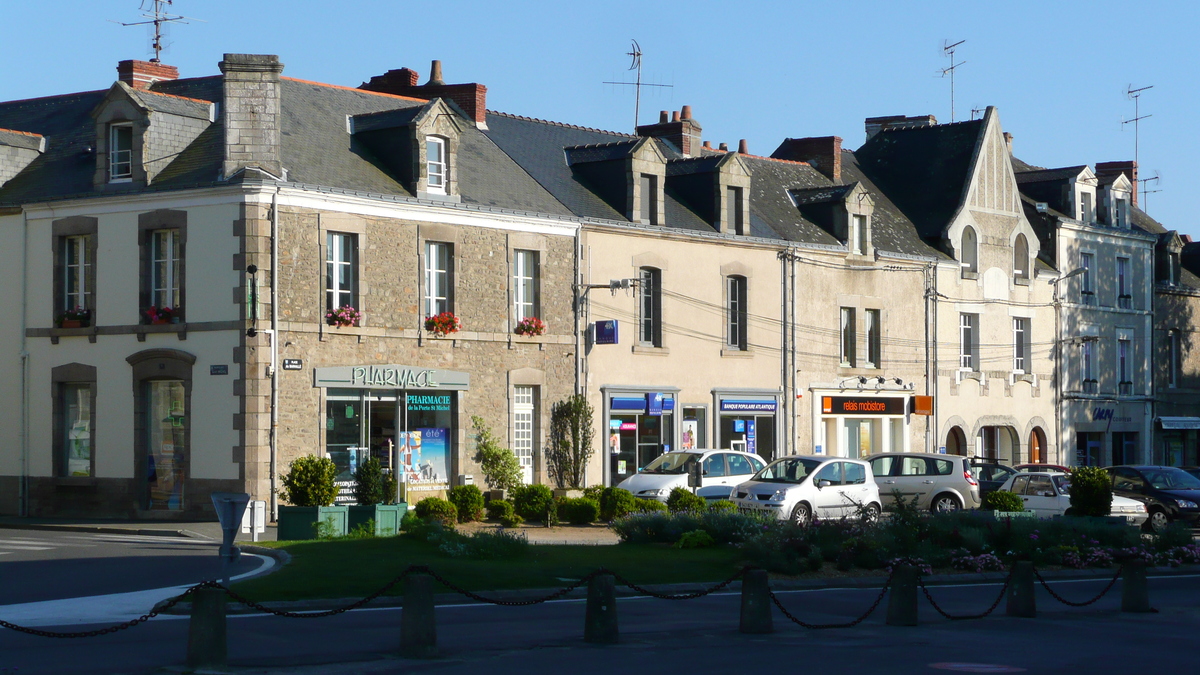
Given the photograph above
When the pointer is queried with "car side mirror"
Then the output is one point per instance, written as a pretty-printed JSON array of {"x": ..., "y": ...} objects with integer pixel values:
[{"x": 823, "y": 484}]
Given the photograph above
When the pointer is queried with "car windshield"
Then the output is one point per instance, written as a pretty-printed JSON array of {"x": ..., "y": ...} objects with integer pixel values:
[
  {"x": 1172, "y": 479},
  {"x": 672, "y": 462},
  {"x": 792, "y": 470}
]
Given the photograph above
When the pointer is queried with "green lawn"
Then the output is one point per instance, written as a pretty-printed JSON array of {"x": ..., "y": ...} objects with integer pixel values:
[{"x": 357, "y": 567}]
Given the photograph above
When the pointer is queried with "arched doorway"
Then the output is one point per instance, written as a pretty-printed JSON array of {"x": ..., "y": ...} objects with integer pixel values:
[
  {"x": 956, "y": 441},
  {"x": 1037, "y": 446}
]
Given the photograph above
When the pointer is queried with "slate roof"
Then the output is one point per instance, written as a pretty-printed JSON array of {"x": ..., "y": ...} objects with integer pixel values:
[
  {"x": 65, "y": 168},
  {"x": 923, "y": 170},
  {"x": 891, "y": 229},
  {"x": 599, "y": 152},
  {"x": 173, "y": 104},
  {"x": 772, "y": 213},
  {"x": 1032, "y": 175}
]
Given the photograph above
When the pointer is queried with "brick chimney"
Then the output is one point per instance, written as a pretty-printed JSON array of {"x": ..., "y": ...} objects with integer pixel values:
[
  {"x": 682, "y": 131},
  {"x": 142, "y": 74},
  {"x": 824, "y": 153},
  {"x": 251, "y": 113},
  {"x": 877, "y": 124},
  {"x": 1129, "y": 168},
  {"x": 471, "y": 97}
]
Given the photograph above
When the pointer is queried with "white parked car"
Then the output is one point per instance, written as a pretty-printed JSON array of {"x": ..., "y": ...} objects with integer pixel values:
[
  {"x": 1046, "y": 494},
  {"x": 670, "y": 470},
  {"x": 801, "y": 487}
]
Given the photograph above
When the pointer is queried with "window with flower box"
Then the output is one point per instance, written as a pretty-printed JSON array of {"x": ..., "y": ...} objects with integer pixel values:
[
  {"x": 439, "y": 278},
  {"x": 163, "y": 242},
  {"x": 341, "y": 270},
  {"x": 75, "y": 271},
  {"x": 526, "y": 283}
]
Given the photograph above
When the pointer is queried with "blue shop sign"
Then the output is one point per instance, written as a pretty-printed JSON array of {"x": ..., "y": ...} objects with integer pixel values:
[
  {"x": 605, "y": 332},
  {"x": 637, "y": 404},
  {"x": 748, "y": 405},
  {"x": 654, "y": 404}
]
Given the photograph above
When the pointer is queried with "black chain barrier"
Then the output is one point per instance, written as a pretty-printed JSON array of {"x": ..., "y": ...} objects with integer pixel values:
[
  {"x": 681, "y": 596},
  {"x": 317, "y": 615},
  {"x": 966, "y": 617},
  {"x": 1056, "y": 596},
  {"x": 510, "y": 603},
  {"x": 110, "y": 629},
  {"x": 823, "y": 626}
]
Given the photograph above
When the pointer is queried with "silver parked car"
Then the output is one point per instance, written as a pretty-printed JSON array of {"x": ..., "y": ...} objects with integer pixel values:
[
  {"x": 670, "y": 470},
  {"x": 940, "y": 483},
  {"x": 803, "y": 487},
  {"x": 1047, "y": 494}
]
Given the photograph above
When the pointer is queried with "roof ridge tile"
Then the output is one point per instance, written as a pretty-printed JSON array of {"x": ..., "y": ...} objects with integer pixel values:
[
  {"x": 561, "y": 124},
  {"x": 23, "y": 133},
  {"x": 355, "y": 89}
]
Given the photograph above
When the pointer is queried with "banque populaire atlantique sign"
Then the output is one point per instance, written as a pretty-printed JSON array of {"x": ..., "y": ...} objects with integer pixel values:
[{"x": 390, "y": 377}]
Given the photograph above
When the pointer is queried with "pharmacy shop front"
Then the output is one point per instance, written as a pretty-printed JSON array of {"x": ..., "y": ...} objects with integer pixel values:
[
  {"x": 853, "y": 425},
  {"x": 401, "y": 415}
]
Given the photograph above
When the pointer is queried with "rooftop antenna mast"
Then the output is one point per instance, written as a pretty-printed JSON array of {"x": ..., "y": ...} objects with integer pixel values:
[
  {"x": 636, "y": 64},
  {"x": 1136, "y": 95},
  {"x": 156, "y": 14},
  {"x": 948, "y": 50}
]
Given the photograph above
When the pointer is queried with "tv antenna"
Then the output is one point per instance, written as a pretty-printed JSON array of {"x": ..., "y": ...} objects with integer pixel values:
[
  {"x": 1158, "y": 181},
  {"x": 948, "y": 50},
  {"x": 156, "y": 14},
  {"x": 1136, "y": 95},
  {"x": 636, "y": 64}
]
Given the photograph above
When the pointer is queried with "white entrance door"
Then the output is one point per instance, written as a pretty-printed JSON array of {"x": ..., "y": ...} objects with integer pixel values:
[{"x": 523, "y": 411}]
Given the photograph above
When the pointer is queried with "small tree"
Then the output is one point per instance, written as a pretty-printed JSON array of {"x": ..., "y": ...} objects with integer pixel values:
[
  {"x": 309, "y": 481},
  {"x": 570, "y": 441},
  {"x": 1091, "y": 491},
  {"x": 501, "y": 468},
  {"x": 369, "y": 485}
]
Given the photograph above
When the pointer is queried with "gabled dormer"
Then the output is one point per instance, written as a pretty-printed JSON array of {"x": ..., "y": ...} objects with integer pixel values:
[
  {"x": 18, "y": 149},
  {"x": 1118, "y": 192},
  {"x": 139, "y": 133},
  {"x": 1166, "y": 258},
  {"x": 844, "y": 211},
  {"x": 418, "y": 144},
  {"x": 716, "y": 187},
  {"x": 629, "y": 175}
]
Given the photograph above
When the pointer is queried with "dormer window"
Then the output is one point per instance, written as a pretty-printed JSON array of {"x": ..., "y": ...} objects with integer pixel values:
[
  {"x": 1122, "y": 212},
  {"x": 969, "y": 255},
  {"x": 435, "y": 162},
  {"x": 1087, "y": 212},
  {"x": 649, "y": 199},
  {"x": 1021, "y": 259},
  {"x": 733, "y": 211},
  {"x": 120, "y": 153},
  {"x": 858, "y": 234}
]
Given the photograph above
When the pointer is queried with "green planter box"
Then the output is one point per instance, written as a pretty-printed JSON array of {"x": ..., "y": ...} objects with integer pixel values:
[
  {"x": 297, "y": 523},
  {"x": 386, "y": 516}
]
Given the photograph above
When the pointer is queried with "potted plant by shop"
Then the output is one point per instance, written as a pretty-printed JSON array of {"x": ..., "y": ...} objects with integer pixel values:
[
  {"x": 79, "y": 317},
  {"x": 375, "y": 493},
  {"x": 309, "y": 487},
  {"x": 443, "y": 324}
]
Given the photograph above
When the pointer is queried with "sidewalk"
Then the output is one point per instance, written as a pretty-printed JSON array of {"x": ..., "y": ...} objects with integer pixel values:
[{"x": 161, "y": 528}]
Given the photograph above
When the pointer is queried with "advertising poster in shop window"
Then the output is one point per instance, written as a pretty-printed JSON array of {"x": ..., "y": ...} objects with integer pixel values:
[{"x": 425, "y": 457}]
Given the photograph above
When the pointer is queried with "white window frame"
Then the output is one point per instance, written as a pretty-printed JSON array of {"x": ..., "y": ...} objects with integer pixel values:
[
  {"x": 1122, "y": 209},
  {"x": 858, "y": 234},
  {"x": 524, "y": 426},
  {"x": 339, "y": 293},
  {"x": 733, "y": 210},
  {"x": 1021, "y": 258},
  {"x": 439, "y": 278},
  {"x": 968, "y": 327},
  {"x": 525, "y": 284},
  {"x": 1020, "y": 327},
  {"x": 1087, "y": 205},
  {"x": 437, "y": 171},
  {"x": 120, "y": 162},
  {"x": 970, "y": 254},
  {"x": 75, "y": 273},
  {"x": 164, "y": 257},
  {"x": 874, "y": 333},
  {"x": 849, "y": 338}
]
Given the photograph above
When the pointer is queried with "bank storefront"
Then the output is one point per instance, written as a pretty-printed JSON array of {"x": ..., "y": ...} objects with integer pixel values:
[
  {"x": 640, "y": 426},
  {"x": 747, "y": 420},
  {"x": 406, "y": 417},
  {"x": 1108, "y": 433},
  {"x": 856, "y": 425}
]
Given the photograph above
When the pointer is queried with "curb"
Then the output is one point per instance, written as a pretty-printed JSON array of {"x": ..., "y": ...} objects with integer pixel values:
[
  {"x": 871, "y": 582},
  {"x": 103, "y": 529}
]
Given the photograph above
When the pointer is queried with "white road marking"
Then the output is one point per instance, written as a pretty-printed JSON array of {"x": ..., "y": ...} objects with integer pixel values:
[{"x": 24, "y": 546}]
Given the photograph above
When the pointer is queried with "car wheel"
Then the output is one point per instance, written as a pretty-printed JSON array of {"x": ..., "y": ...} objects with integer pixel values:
[
  {"x": 1158, "y": 521},
  {"x": 802, "y": 514},
  {"x": 871, "y": 513},
  {"x": 946, "y": 504}
]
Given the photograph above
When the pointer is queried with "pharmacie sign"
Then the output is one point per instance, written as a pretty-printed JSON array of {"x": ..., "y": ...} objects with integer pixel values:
[{"x": 390, "y": 377}]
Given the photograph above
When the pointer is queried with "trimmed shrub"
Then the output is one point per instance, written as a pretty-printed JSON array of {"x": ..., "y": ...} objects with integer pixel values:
[
  {"x": 650, "y": 506},
  {"x": 533, "y": 502},
  {"x": 502, "y": 510},
  {"x": 695, "y": 539},
  {"x": 682, "y": 499},
  {"x": 581, "y": 511},
  {"x": 593, "y": 492},
  {"x": 616, "y": 503},
  {"x": 722, "y": 505},
  {"x": 438, "y": 509},
  {"x": 369, "y": 483},
  {"x": 481, "y": 545},
  {"x": 469, "y": 501},
  {"x": 1002, "y": 501},
  {"x": 1091, "y": 491},
  {"x": 309, "y": 481}
]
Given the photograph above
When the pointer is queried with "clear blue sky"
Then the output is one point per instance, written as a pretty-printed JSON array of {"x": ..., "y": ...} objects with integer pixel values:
[{"x": 1057, "y": 70}]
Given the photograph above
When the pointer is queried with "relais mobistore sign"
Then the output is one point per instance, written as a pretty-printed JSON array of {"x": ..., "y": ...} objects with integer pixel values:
[
  {"x": 390, "y": 377},
  {"x": 862, "y": 405}
]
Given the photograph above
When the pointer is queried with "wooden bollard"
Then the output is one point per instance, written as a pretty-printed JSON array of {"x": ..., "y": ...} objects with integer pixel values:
[
  {"x": 418, "y": 627},
  {"x": 902, "y": 598},
  {"x": 207, "y": 647},
  {"x": 600, "y": 618},
  {"x": 756, "y": 603},
  {"x": 1135, "y": 595},
  {"x": 1021, "y": 600}
]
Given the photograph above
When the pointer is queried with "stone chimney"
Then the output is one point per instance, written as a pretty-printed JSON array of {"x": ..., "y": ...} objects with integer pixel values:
[
  {"x": 1008, "y": 138},
  {"x": 682, "y": 131},
  {"x": 251, "y": 113},
  {"x": 824, "y": 153},
  {"x": 1112, "y": 169},
  {"x": 142, "y": 74},
  {"x": 471, "y": 97},
  {"x": 877, "y": 124}
]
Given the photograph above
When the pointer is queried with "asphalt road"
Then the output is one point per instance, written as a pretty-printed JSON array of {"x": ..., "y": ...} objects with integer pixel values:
[
  {"x": 690, "y": 636},
  {"x": 37, "y": 565}
]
